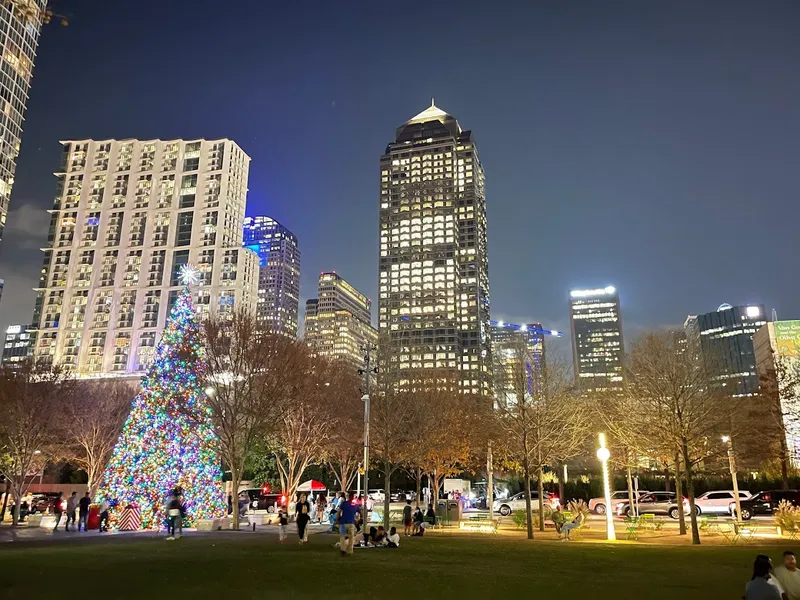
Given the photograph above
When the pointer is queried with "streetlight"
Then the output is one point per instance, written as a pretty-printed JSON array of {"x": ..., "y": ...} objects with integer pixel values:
[
  {"x": 726, "y": 439},
  {"x": 603, "y": 454}
]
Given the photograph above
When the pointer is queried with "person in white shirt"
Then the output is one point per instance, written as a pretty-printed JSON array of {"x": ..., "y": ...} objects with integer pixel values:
[
  {"x": 761, "y": 586},
  {"x": 393, "y": 541},
  {"x": 789, "y": 576}
]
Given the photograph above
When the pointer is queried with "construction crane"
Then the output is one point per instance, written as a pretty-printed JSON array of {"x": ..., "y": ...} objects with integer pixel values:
[{"x": 30, "y": 11}]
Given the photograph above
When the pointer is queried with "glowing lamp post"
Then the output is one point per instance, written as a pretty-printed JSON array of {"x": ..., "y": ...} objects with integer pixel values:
[
  {"x": 603, "y": 454},
  {"x": 732, "y": 463}
]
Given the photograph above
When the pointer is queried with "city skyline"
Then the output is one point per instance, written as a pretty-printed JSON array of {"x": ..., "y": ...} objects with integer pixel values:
[{"x": 596, "y": 139}]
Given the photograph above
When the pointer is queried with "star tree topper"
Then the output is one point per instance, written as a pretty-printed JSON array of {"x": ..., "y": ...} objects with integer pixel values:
[{"x": 189, "y": 275}]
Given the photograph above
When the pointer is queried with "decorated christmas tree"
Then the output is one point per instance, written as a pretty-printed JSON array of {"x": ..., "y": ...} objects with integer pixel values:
[{"x": 168, "y": 441}]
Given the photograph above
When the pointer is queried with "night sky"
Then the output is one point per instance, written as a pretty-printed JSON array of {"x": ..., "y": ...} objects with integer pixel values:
[{"x": 655, "y": 148}]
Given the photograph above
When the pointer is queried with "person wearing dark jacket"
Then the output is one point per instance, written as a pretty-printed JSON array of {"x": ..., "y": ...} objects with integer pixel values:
[{"x": 83, "y": 511}]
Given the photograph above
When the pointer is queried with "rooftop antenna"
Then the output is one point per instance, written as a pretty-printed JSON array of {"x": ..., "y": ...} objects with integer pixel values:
[
  {"x": 433, "y": 103},
  {"x": 774, "y": 315}
]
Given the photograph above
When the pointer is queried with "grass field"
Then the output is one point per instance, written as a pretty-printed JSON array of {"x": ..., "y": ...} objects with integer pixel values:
[{"x": 447, "y": 567}]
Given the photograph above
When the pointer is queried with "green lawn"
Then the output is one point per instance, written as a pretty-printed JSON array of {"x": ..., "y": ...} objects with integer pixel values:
[{"x": 435, "y": 566}]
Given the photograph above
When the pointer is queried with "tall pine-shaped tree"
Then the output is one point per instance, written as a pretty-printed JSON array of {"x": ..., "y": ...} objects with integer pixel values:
[{"x": 168, "y": 441}]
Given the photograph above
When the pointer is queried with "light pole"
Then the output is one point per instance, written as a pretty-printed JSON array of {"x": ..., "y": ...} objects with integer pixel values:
[
  {"x": 603, "y": 454},
  {"x": 732, "y": 463},
  {"x": 367, "y": 371}
]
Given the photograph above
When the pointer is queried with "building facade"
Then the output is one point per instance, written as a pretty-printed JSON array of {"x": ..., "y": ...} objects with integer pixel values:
[
  {"x": 20, "y": 23},
  {"x": 128, "y": 216},
  {"x": 597, "y": 346},
  {"x": 339, "y": 321},
  {"x": 278, "y": 273},
  {"x": 18, "y": 346},
  {"x": 779, "y": 342},
  {"x": 434, "y": 271},
  {"x": 517, "y": 349},
  {"x": 726, "y": 345}
]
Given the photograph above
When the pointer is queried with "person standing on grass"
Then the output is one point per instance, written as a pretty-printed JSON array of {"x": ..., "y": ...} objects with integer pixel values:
[
  {"x": 175, "y": 516},
  {"x": 103, "y": 516},
  {"x": 322, "y": 503},
  {"x": 283, "y": 523},
  {"x": 83, "y": 511},
  {"x": 788, "y": 576},
  {"x": 72, "y": 506},
  {"x": 58, "y": 509},
  {"x": 347, "y": 524},
  {"x": 301, "y": 511},
  {"x": 408, "y": 522},
  {"x": 760, "y": 586}
]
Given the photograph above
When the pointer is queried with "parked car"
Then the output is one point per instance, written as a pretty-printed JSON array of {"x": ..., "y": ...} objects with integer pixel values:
[
  {"x": 258, "y": 500},
  {"x": 765, "y": 503},
  {"x": 402, "y": 496},
  {"x": 653, "y": 503},
  {"x": 376, "y": 495},
  {"x": 598, "y": 505},
  {"x": 506, "y": 506},
  {"x": 43, "y": 503},
  {"x": 718, "y": 502}
]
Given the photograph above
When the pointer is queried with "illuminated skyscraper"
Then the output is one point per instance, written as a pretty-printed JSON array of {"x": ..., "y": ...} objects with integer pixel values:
[
  {"x": 434, "y": 270},
  {"x": 726, "y": 345},
  {"x": 279, "y": 273},
  {"x": 339, "y": 321},
  {"x": 128, "y": 216},
  {"x": 514, "y": 344},
  {"x": 19, "y": 38},
  {"x": 597, "y": 349}
]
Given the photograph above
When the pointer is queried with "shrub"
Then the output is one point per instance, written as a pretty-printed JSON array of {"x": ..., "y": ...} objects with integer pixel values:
[{"x": 787, "y": 516}]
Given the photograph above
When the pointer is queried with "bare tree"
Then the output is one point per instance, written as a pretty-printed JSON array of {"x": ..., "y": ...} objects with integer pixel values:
[
  {"x": 775, "y": 407},
  {"x": 305, "y": 427},
  {"x": 32, "y": 400},
  {"x": 93, "y": 421},
  {"x": 249, "y": 373},
  {"x": 672, "y": 404},
  {"x": 542, "y": 420},
  {"x": 345, "y": 410}
]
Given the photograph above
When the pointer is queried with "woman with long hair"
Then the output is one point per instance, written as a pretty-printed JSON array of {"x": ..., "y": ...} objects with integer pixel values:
[{"x": 302, "y": 517}]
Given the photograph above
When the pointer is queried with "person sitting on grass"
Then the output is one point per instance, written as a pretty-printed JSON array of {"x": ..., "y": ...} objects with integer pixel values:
[
  {"x": 369, "y": 536},
  {"x": 393, "y": 541},
  {"x": 761, "y": 586},
  {"x": 575, "y": 524},
  {"x": 788, "y": 575}
]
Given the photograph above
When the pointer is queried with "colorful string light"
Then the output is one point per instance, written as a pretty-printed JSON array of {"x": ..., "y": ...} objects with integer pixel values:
[{"x": 168, "y": 440}]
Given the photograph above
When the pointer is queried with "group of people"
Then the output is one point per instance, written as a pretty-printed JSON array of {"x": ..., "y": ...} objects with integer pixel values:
[
  {"x": 564, "y": 527},
  {"x": 779, "y": 583},
  {"x": 80, "y": 506}
]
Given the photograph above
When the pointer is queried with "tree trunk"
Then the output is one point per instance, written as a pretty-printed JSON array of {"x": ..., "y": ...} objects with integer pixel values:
[
  {"x": 631, "y": 503},
  {"x": 541, "y": 499},
  {"x": 679, "y": 496},
  {"x": 667, "y": 485},
  {"x": 687, "y": 465},
  {"x": 784, "y": 458},
  {"x": 235, "y": 477},
  {"x": 386, "y": 497},
  {"x": 561, "y": 477},
  {"x": 419, "y": 484},
  {"x": 490, "y": 482},
  {"x": 528, "y": 512}
]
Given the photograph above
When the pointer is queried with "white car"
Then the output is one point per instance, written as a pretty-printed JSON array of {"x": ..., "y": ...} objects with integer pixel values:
[
  {"x": 598, "y": 505},
  {"x": 718, "y": 502},
  {"x": 507, "y": 506},
  {"x": 376, "y": 495}
]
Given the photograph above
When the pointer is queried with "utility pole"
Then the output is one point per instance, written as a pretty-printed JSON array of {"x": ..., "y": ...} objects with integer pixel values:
[{"x": 367, "y": 372}]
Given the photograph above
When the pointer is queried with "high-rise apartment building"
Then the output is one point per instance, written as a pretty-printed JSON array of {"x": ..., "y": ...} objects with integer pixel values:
[
  {"x": 597, "y": 349},
  {"x": 278, "y": 273},
  {"x": 518, "y": 349},
  {"x": 339, "y": 321},
  {"x": 18, "y": 344},
  {"x": 20, "y": 23},
  {"x": 779, "y": 342},
  {"x": 434, "y": 269},
  {"x": 724, "y": 339},
  {"x": 128, "y": 216}
]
